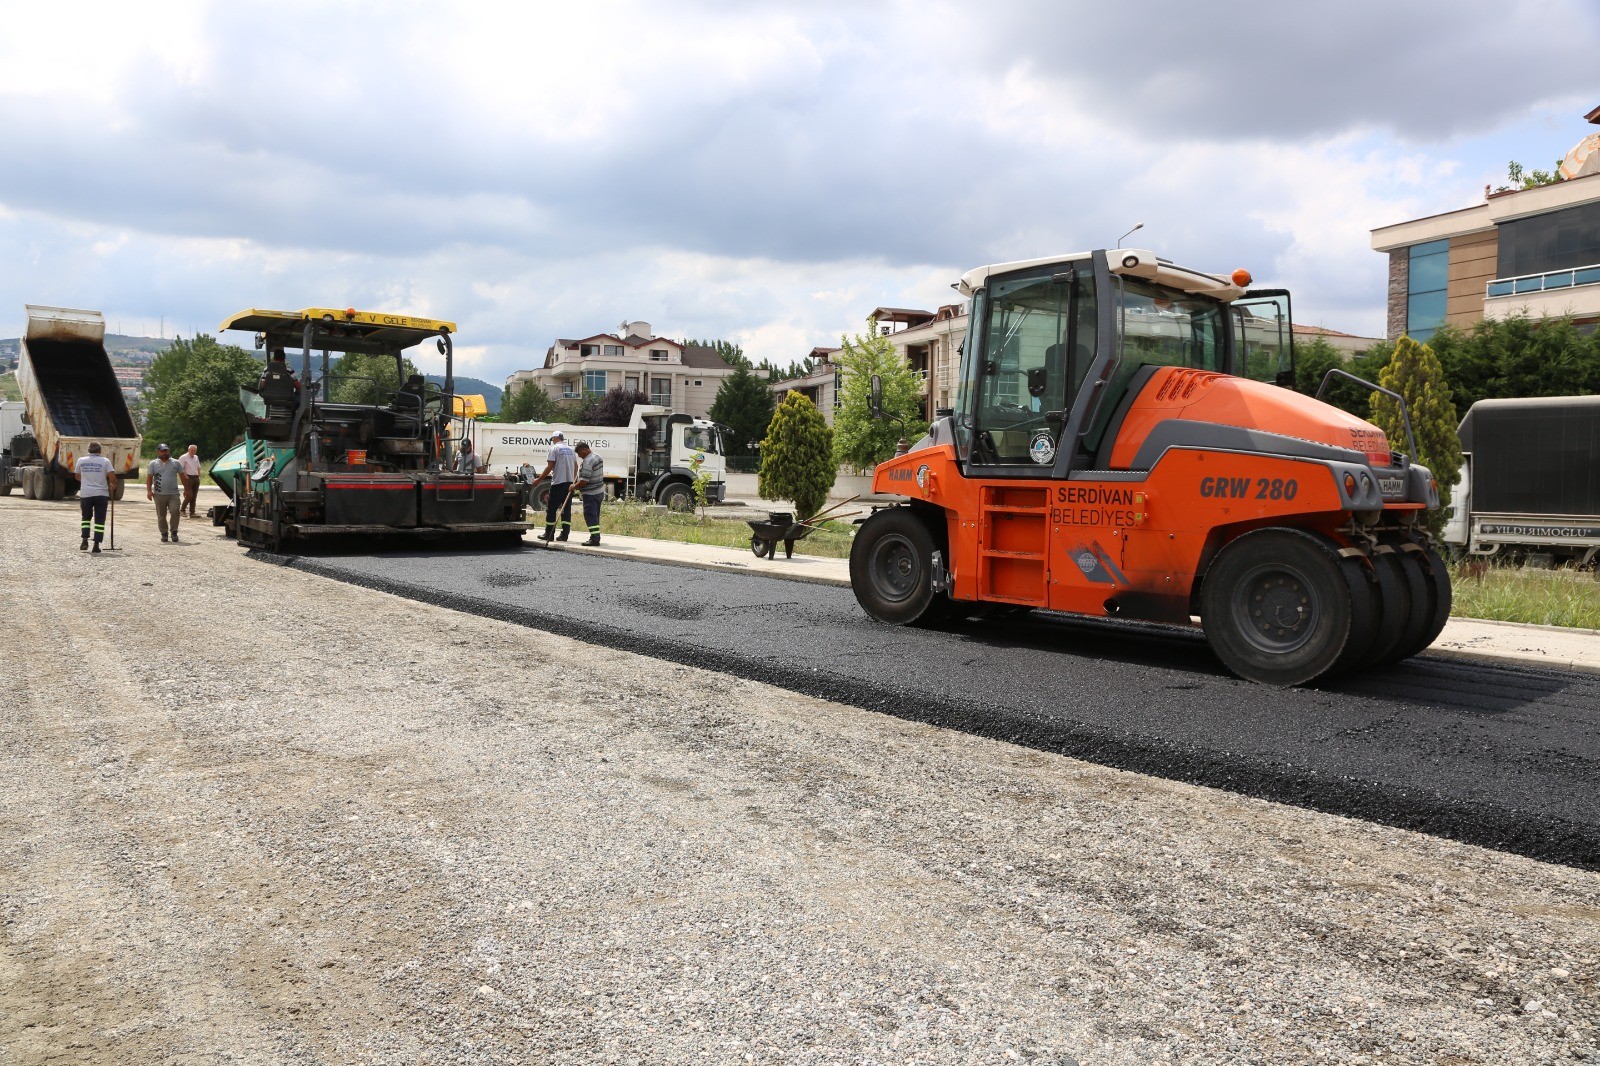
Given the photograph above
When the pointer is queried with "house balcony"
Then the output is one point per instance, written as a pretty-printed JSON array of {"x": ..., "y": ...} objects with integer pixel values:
[{"x": 1575, "y": 292}]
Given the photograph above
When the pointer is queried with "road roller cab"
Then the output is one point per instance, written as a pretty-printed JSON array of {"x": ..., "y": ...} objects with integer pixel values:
[{"x": 1124, "y": 445}]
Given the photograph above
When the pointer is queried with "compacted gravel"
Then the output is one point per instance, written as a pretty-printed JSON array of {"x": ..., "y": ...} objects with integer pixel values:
[{"x": 249, "y": 814}]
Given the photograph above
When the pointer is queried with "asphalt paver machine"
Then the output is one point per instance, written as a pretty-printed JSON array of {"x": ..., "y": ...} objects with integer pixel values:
[
  {"x": 1122, "y": 447},
  {"x": 313, "y": 468}
]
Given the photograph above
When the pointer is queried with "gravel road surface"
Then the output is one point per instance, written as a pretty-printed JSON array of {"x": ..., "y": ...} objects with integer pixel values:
[
  {"x": 249, "y": 814},
  {"x": 1503, "y": 756}
]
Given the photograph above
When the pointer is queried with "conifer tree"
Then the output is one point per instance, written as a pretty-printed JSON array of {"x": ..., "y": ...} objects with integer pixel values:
[
  {"x": 797, "y": 456},
  {"x": 1414, "y": 372}
]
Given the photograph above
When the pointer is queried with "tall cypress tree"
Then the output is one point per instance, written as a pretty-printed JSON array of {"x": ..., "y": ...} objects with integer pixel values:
[
  {"x": 1415, "y": 373},
  {"x": 797, "y": 456}
]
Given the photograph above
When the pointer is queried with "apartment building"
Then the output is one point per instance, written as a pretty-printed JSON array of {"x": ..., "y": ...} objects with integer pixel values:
[
  {"x": 931, "y": 343},
  {"x": 929, "y": 340},
  {"x": 1522, "y": 251},
  {"x": 820, "y": 386},
  {"x": 684, "y": 377}
]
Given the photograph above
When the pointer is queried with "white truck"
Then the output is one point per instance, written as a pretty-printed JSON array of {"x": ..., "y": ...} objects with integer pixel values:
[
  {"x": 1530, "y": 482},
  {"x": 70, "y": 397},
  {"x": 654, "y": 458}
]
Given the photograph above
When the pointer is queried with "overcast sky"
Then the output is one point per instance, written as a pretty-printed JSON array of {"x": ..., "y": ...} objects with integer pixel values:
[{"x": 766, "y": 172}]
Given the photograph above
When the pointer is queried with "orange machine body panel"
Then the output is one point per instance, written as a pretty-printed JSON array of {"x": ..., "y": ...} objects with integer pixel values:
[
  {"x": 1108, "y": 547},
  {"x": 1202, "y": 396}
]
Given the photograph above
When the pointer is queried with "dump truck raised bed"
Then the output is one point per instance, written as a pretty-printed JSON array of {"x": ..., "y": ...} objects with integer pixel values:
[
  {"x": 1530, "y": 482},
  {"x": 655, "y": 457},
  {"x": 1122, "y": 448},
  {"x": 315, "y": 469},
  {"x": 70, "y": 397}
]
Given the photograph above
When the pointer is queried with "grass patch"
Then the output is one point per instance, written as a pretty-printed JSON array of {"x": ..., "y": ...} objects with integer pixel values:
[
  {"x": 9, "y": 389},
  {"x": 1538, "y": 597},
  {"x": 626, "y": 518}
]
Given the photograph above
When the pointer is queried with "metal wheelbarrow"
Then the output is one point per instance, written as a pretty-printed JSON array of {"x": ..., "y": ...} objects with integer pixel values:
[{"x": 780, "y": 525}]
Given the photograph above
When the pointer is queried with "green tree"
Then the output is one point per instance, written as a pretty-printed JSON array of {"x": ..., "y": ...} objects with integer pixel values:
[
  {"x": 1313, "y": 361},
  {"x": 860, "y": 440},
  {"x": 358, "y": 378},
  {"x": 531, "y": 402},
  {"x": 1415, "y": 373},
  {"x": 612, "y": 408},
  {"x": 744, "y": 406},
  {"x": 1518, "y": 357},
  {"x": 192, "y": 394},
  {"x": 797, "y": 456}
]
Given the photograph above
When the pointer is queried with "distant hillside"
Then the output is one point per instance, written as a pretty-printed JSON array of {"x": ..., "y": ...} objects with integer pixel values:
[
  {"x": 474, "y": 387},
  {"x": 123, "y": 350}
]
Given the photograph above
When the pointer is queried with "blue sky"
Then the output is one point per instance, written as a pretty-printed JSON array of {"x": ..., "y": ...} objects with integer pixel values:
[{"x": 766, "y": 172}]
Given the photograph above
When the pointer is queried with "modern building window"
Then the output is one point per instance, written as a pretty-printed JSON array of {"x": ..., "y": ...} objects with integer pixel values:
[
  {"x": 1425, "y": 288},
  {"x": 631, "y": 382},
  {"x": 837, "y": 399},
  {"x": 658, "y": 355},
  {"x": 698, "y": 383},
  {"x": 594, "y": 381},
  {"x": 586, "y": 350},
  {"x": 661, "y": 393},
  {"x": 1559, "y": 240},
  {"x": 613, "y": 349},
  {"x": 568, "y": 390}
]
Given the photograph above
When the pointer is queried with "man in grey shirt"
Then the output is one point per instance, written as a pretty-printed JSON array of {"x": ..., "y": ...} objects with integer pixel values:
[
  {"x": 97, "y": 482},
  {"x": 561, "y": 469},
  {"x": 164, "y": 484},
  {"x": 592, "y": 484}
]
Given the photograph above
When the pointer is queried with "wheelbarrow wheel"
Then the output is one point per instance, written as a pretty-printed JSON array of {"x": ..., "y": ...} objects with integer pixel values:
[{"x": 762, "y": 548}]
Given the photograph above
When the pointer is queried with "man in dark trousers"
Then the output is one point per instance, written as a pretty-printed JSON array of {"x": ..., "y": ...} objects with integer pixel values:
[
  {"x": 591, "y": 486},
  {"x": 562, "y": 470},
  {"x": 97, "y": 485}
]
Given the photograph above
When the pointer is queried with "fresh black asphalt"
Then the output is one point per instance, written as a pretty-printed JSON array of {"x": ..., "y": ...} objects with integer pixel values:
[{"x": 1500, "y": 756}]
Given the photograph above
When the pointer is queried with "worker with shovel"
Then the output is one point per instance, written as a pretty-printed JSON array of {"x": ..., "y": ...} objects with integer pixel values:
[{"x": 562, "y": 470}]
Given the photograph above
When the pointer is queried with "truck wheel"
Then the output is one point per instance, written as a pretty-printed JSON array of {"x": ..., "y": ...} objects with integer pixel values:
[
  {"x": 5, "y": 483},
  {"x": 122, "y": 486},
  {"x": 677, "y": 497},
  {"x": 891, "y": 570},
  {"x": 539, "y": 498},
  {"x": 1276, "y": 607},
  {"x": 30, "y": 484}
]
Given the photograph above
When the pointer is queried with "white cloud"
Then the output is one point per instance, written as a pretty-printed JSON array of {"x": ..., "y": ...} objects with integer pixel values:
[{"x": 764, "y": 173}]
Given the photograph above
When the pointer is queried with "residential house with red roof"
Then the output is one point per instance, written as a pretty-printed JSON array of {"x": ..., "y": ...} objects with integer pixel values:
[{"x": 684, "y": 377}]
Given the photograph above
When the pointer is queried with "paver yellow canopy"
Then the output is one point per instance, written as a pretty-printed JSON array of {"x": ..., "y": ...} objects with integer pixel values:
[{"x": 380, "y": 462}]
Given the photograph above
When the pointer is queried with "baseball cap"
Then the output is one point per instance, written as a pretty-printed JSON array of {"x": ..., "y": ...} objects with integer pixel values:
[
  {"x": 558, "y": 435},
  {"x": 162, "y": 448}
]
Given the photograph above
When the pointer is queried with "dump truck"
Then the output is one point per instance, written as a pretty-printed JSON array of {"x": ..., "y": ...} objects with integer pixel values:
[
  {"x": 655, "y": 457},
  {"x": 313, "y": 468},
  {"x": 1122, "y": 447},
  {"x": 1529, "y": 488},
  {"x": 70, "y": 397}
]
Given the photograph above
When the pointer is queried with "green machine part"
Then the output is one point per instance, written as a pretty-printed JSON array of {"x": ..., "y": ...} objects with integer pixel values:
[{"x": 243, "y": 457}]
